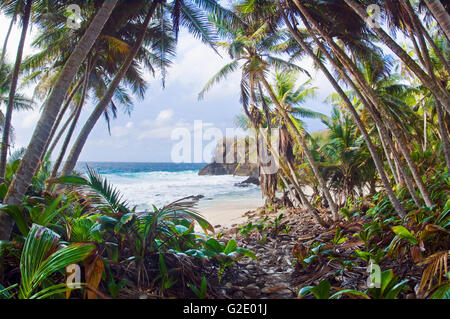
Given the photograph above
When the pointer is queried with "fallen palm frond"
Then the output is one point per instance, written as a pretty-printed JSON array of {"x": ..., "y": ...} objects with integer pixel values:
[{"x": 437, "y": 265}]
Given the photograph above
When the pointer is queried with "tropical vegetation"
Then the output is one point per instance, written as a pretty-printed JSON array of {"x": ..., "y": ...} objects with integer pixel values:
[{"x": 381, "y": 166}]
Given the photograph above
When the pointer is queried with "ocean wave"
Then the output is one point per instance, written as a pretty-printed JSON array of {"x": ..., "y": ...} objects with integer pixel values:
[{"x": 145, "y": 189}]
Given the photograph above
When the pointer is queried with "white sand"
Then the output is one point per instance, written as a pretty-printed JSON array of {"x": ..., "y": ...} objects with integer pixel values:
[{"x": 226, "y": 212}]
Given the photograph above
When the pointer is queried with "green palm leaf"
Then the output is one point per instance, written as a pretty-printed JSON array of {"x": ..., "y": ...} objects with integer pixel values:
[
  {"x": 41, "y": 258},
  {"x": 98, "y": 190}
]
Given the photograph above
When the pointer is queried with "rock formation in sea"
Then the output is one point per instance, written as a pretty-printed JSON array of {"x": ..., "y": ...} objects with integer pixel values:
[{"x": 231, "y": 158}]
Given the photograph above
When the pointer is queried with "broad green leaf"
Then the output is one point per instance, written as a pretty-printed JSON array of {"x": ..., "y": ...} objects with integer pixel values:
[
  {"x": 231, "y": 247},
  {"x": 443, "y": 292},
  {"x": 321, "y": 291},
  {"x": 71, "y": 180},
  {"x": 402, "y": 232},
  {"x": 213, "y": 245},
  {"x": 350, "y": 292},
  {"x": 19, "y": 218}
]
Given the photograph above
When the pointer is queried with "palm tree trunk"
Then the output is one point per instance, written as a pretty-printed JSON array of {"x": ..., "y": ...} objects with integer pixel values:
[
  {"x": 300, "y": 139},
  {"x": 401, "y": 170},
  {"x": 12, "y": 92},
  {"x": 40, "y": 136},
  {"x": 61, "y": 116},
  {"x": 5, "y": 43},
  {"x": 426, "y": 80},
  {"x": 103, "y": 104},
  {"x": 389, "y": 159},
  {"x": 440, "y": 14},
  {"x": 420, "y": 30},
  {"x": 444, "y": 133},
  {"x": 289, "y": 189},
  {"x": 435, "y": 48},
  {"x": 290, "y": 173},
  {"x": 372, "y": 96},
  {"x": 66, "y": 106},
  {"x": 65, "y": 145},
  {"x": 378, "y": 163},
  {"x": 415, "y": 45},
  {"x": 60, "y": 134}
]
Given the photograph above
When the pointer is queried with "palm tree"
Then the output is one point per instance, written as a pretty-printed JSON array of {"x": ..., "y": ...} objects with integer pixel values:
[
  {"x": 435, "y": 87},
  {"x": 101, "y": 66},
  {"x": 37, "y": 144},
  {"x": 371, "y": 100},
  {"x": 292, "y": 99},
  {"x": 106, "y": 99},
  {"x": 284, "y": 157},
  {"x": 12, "y": 93},
  {"x": 21, "y": 103},
  {"x": 434, "y": 68},
  {"x": 76, "y": 115},
  {"x": 107, "y": 54},
  {"x": 13, "y": 11},
  {"x": 396, "y": 203},
  {"x": 251, "y": 46},
  {"x": 440, "y": 14},
  {"x": 190, "y": 14},
  {"x": 347, "y": 153}
]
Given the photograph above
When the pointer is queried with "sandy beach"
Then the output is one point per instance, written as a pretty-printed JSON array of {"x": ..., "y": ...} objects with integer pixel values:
[{"x": 227, "y": 212}]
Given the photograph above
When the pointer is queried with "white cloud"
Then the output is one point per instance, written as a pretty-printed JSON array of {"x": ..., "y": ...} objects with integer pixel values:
[
  {"x": 164, "y": 116},
  {"x": 121, "y": 131},
  {"x": 195, "y": 65},
  {"x": 162, "y": 132}
]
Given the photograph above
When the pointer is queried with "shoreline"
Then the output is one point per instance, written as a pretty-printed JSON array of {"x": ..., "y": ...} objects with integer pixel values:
[{"x": 226, "y": 212}]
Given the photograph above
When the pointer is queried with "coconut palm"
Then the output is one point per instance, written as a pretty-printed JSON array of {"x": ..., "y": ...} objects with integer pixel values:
[
  {"x": 101, "y": 68},
  {"x": 440, "y": 14},
  {"x": 11, "y": 9},
  {"x": 348, "y": 155},
  {"x": 21, "y": 103},
  {"x": 191, "y": 14},
  {"x": 427, "y": 80},
  {"x": 38, "y": 142},
  {"x": 12, "y": 92},
  {"x": 348, "y": 104},
  {"x": 250, "y": 50},
  {"x": 371, "y": 100}
]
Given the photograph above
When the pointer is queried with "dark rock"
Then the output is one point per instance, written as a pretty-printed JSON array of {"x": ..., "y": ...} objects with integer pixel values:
[
  {"x": 251, "y": 267},
  {"x": 252, "y": 291},
  {"x": 217, "y": 169},
  {"x": 229, "y": 169},
  {"x": 238, "y": 294},
  {"x": 230, "y": 159},
  {"x": 198, "y": 197},
  {"x": 252, "y": 180}
]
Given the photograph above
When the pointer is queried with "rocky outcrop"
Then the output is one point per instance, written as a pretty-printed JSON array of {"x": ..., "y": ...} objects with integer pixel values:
[
  {"x": 228, "y": 160},
  {"x": 230, "y": 169},
  {"x": 252, "y": 180}
]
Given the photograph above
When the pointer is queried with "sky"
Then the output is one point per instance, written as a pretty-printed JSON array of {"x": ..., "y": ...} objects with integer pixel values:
[{"x": 145, "y": 134}]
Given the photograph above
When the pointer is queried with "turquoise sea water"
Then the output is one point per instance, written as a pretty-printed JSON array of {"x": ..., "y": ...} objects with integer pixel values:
[{"x": 147, "y": 184}]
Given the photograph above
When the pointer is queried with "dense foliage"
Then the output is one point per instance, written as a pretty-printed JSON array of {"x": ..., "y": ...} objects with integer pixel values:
[{"x": 382, "y": 163}]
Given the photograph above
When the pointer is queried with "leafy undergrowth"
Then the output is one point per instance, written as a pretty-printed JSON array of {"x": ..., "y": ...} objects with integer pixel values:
[
  {"x": 122, "y": 253},
  {"x": 89, "y": 243},
  {"x": 369, "y": 254}
]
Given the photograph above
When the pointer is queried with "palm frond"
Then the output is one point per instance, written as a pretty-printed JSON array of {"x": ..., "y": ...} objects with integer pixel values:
[
  {"x": 41, "y": 257},
  {"x": 218, "y": 77}
]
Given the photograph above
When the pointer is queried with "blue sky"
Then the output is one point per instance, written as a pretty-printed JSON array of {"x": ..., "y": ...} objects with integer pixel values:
[{"x": 145, "y": 136}]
